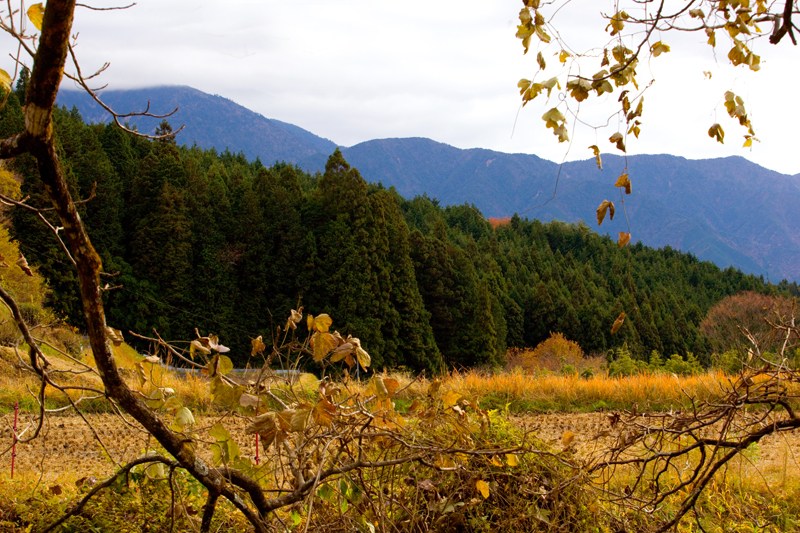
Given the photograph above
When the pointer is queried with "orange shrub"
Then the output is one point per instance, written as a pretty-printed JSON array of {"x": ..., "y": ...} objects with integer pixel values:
[{"x": 551, "y": 354}]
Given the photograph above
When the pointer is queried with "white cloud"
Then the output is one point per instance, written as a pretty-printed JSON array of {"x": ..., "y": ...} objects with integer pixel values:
[{"x": 363, "y": 69}]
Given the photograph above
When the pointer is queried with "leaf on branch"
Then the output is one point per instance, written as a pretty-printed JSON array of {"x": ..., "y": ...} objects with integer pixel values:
[
  {"x": 621, "y": 52},
  {"x": 624, "y": 181},
  {"x": 183, "y": 418},
  {"x": 250, "y": 400},
  {"x": 141, "y": 375},
  {"x": 450, "y": 398},
  {"x": 152, "y": 359},
  {"x": 323, "y": 412},
  {"x": 115, "y": 336},
  {"x": 616, "y": 23},
  {"x": 206, "y": 344},
  {"x": 717, "y": 132},
  {"x": 697, "y": 14},
  {"x": 605, "y": 207},
  {"x": 659, "y": 48},
  {"x": 579, "y": 89},
  {"x": 23, "y": 264},
  {"x": 605, "y": 62},
  {"x": 483, "y": 488},
  {"x": 363, "y": 358},
  {"x": 562, "y": 57},
  {"x": 322, "y": 343},
  {"x": 341, "y": 352},
  {"x": 594, "y": 148},
  {"x": 5, "y": 80},
  {"x": 619, "y": 140},
  {"x": 294, "y": 318},
  {"x": 540, "y": 60},
  {"x": 624, "y": 238},
  {"x": 549, "y": 84},
  {"x": 562, "y": 133},
  {"x": 618, "y": 323},
  {"x": 322, "y": 323},
  {"x": 36, "y": 15},
  {"x": 712, "y": 37},
  {"x": 258, "y": 346}
]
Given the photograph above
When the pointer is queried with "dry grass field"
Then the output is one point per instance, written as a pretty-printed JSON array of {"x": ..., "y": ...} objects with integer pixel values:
[{"x": 68, "y": 449}]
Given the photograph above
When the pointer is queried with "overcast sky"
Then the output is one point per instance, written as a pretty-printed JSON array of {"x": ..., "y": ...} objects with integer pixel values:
[{"x": 357, "y": 70}]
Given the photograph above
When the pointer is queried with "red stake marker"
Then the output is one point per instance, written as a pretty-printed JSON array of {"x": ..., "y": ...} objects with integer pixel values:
[{"x": 257, "y": 461}]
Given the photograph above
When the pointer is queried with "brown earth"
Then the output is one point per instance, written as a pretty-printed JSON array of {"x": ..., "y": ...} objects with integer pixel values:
[{"x": 67, "y": 449}]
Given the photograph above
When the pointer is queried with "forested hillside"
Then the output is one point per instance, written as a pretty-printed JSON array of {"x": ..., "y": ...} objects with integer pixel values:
[{"x": 208, "y": 240}]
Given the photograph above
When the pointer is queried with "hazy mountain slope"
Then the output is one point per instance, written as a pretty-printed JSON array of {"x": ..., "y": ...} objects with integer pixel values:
[
  {"x": 729, "y": 211},
  {"x": 209, "y": 120}
]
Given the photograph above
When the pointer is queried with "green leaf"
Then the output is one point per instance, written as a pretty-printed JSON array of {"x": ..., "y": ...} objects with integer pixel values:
[
  {"x": 36, "y": 15},
  {"x": 225, "y": 365}
]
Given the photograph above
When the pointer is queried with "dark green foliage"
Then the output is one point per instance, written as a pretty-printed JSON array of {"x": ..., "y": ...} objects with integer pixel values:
[{"x": 207, "y": 240}]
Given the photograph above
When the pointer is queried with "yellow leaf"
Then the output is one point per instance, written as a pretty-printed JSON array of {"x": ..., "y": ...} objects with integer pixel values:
[
  {"x": 363, "y": 358},
  {"x": 618, "y": 140},
  {"x": 36, "y": 14},
  {"x": 322, "y": 323},
  {"x": 624, "y": 181},
  {"x": 748, "y": 142},
  {"x": 606, "y": 206},
  {"x": 624, "y": 238},
  {"x": 323, "y": 412},
  {"x": 553, "y": 117},
  {"x": 496, "y": 461},
  {"x": 716, "y": 132},
  {"x": 567, "y": 438},
  {"x": 659, "y": 48},
  {"x": 434, "y": 387},
  {"x": 341, "y": 352},
  {"x": 5, "y": 80},
  {"x": 258, "y": 346},
  {"x": 450, "y": 398},
  {"x": 562, "y": 57},
  {"x": 322, "y": 343},
  {"x": 391, "y": 385},
  {"x": 541, "y": 61},
  {"x": 445, "y": 461},
  {"x": 512, "y": 459},
  {"x": 482, "y": 487},
  {"x": 594, "y": 148},
  {"x": 310, "y": 321},
  {"x": 618, "y": 323}
]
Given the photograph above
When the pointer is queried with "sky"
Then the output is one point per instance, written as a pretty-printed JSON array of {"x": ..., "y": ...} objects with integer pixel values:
[{"x": 357, "y": 70}]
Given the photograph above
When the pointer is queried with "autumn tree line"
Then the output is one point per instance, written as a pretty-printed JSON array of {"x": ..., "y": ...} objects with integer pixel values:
[{"x": 193, "y": 238}]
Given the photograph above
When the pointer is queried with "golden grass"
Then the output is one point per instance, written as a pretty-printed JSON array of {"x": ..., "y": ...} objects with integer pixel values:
[{"x": 550, "y": 392}]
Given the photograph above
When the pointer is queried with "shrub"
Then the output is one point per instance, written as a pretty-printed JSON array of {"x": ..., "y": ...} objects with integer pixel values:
[{"x": 552, "y": 354}]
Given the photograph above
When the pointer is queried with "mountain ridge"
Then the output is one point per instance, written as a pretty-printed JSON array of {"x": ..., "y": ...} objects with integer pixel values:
[{"x": 726, "y": 210}]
